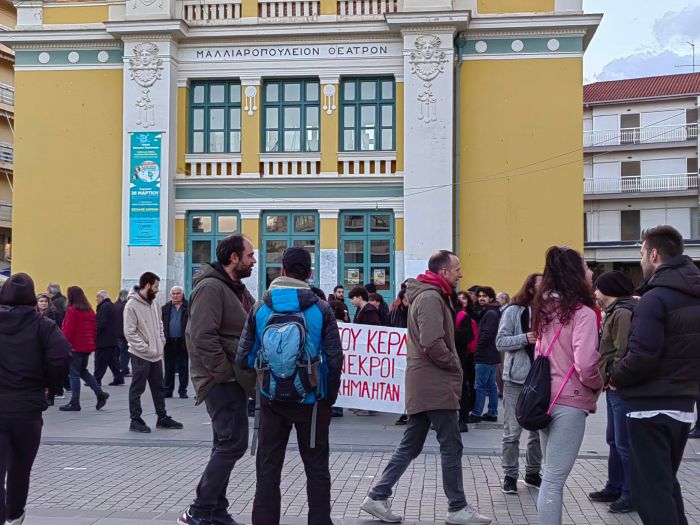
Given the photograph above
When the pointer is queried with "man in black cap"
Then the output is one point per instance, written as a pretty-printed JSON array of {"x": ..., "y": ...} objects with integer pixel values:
[
  {"x": 658, "y": 376},
  {"x": 291, "y": 326},
  {"x": 614, "y": 294}
]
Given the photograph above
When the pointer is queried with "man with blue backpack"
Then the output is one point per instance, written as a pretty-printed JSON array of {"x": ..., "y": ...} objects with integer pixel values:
[{"x": 291, "y": 339}]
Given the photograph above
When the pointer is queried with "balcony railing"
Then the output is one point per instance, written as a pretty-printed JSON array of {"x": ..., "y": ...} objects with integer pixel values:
[
  {"x": 644, "y": 135},
  {"x": 290, "y": 164},
  {"x": 678, "y": 182},
  {"x": 286, "y": 8},
  {"x": 202, "y": 12},
  {"x": 7, "y": 152},
  {"x": 7, "y": 94},
  {"x": 366, "y": 7},
  {"x": 212, "y": 166},
  {"x": 367, "y": 163}
]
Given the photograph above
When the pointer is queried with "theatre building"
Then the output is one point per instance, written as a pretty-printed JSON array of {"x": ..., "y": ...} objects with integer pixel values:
[{"x": 370, "y": 132}]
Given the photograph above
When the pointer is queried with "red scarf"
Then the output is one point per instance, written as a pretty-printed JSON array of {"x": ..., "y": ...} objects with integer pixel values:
[{"x": 436, "y": 280}]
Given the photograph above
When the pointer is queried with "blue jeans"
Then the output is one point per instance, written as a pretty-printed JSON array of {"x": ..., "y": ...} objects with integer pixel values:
[
  {"x": 486, "y": 385},
  {"x": 124, "y": 355},
  {"x": 616, "y": 437},
  {"x": 78, "y": 371}
]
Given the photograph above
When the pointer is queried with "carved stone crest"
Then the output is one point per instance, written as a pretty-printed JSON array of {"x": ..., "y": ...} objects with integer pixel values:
[
  {"x": 427, "y": 62},
  {"x": 145, "y": 67}
]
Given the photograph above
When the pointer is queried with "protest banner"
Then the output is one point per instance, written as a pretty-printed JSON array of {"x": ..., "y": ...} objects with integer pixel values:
[{"x": 374, "y": 367}]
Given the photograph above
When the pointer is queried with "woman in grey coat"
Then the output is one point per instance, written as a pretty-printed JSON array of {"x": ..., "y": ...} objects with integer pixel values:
[{"x": 517, "y": 341}]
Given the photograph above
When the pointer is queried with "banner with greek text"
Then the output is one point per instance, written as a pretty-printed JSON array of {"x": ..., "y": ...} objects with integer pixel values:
[
  {"x": 374, "y": 367},
  {"x": 144, "y": 189}
]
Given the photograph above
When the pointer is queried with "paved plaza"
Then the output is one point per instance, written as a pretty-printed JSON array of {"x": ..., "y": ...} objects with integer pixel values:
[{"x": 91, "y": 470}]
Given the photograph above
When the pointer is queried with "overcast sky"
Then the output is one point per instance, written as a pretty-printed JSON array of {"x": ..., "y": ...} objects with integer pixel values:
[{"x": 641, "y": 38}]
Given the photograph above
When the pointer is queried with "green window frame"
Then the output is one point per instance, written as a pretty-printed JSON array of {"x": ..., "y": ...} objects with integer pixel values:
[
  {"x": 205, "y": 229},
  {"x": 368, "y": 114},
  {"x": 367, "y": 250},
  {"x": 291, "y": 116},
  {"x": 282, "y": 229},
  {"x": 215, "y": 116}
]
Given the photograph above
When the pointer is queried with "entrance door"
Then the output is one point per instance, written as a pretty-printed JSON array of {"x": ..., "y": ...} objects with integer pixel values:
[
  {"x": 367, "y": 250},
  {"x": 204, "y": 231},
  {"x": 282, "y": 229}
]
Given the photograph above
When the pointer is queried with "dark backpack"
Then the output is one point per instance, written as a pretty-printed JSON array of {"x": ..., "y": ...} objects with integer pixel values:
[{"x": 534, "y": 406}]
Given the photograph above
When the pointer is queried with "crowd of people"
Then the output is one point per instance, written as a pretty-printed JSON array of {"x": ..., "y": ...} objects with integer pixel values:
[{"x": 465, "y": 350}]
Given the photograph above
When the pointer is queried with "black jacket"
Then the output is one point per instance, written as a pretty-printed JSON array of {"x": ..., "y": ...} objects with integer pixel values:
[
  {"x": 368, "y": 315},
  {"x": 486, "y": 352},
  {"x": 34, "y": 355},
  {"x": 107, "y": 329},
  {"x": 661, "y": 370},
  {"x": 167, "y": 309},
  {"x": 118, "y": 312}
]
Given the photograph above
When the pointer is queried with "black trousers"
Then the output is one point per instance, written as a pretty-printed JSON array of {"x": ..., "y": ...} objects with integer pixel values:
[
  {"x": 19, "y": 443},
  {"x": 176, "y": 360},
  {"x": 276, "y": 420},
  {"x": 107, "y": 356},
  {"x": 656, "y": 451},
  {"x": 226, "y": 404},
  {"x": 466, "y": 401},
  {"x": 145, "y": 372}
]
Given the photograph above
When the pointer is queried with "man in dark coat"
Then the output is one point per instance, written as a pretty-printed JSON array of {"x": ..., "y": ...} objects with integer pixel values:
[
  {"x": 366, "y": 313},
  {"x": 486, "y": 356},
  {"x": 107, "y": 352},
  {"x": 175, "y": 360},
  {"x": 659, "y": 376},
  {"x": 58, "y": 301}
]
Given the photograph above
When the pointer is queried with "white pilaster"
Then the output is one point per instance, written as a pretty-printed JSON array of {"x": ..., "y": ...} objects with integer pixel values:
[
  {"x": 150, "y": 105},
  {"x": 428, "y": 144}
]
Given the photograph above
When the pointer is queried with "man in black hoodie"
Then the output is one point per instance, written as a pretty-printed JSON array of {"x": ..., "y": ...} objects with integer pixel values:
[
  {"x": 659, "y": 376},
  {"x": 486, "y": 356},
  {"x": 34, "y": 356}
]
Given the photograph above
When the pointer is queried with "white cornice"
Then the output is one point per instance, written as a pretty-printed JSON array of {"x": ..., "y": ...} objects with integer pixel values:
[
  {"x": 298, "y": 31},
  {"x": 39, "y": 39},
  {"x": 104, "y": 44},
  {"x": 449, "y": 20},
  {"x": 575, "y": 32},
  {"x": 148, "y": 29}
]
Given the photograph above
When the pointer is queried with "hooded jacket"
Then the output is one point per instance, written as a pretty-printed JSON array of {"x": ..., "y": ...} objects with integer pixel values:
[
  {"x": 217, "y": 316},
  {"x": 513, "y": 343},
  {"x": 615, "y": 334},
  {"x": 143, "y": 327},
  {"x": 433, "y": 369},
  {"x": 80, "y": 328},
  {"x": 368, "y": 315},
  {"x": 279, "y": 299},
  {"x": 486, "y": 351},
  {"x": 661, "y": 370},
  {"x": 34, "y": 355}
]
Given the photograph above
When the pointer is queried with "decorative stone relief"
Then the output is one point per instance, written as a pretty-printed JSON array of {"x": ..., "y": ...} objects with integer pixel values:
[
  {"x": 145, "y": 68},
  {"x": 251, "y": 100},
  {"x": 427, "y": 62},
  {"x": 146, "y": 3},
  {"x": 329, "y": 102}
]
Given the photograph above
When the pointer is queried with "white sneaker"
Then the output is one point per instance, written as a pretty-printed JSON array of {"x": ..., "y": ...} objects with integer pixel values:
[
  {"x": 18, "y": 521},
  {"x": 381, "y": 510},
  {"x": 467, "y": 516}
]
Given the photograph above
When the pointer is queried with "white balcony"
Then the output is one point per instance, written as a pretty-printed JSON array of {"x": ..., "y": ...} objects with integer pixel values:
[
  {"x": 366, "y": 7},
  {"x": 367, "y": 163},
  {"x": 643, "y": 135},
  {"x": 7, "y": 94},
  {"x": 287, "y": 9},
  {"x": 211, "y": 166},
  {"x": 211, "y": 12},
  {"x": 677, "y": 182},
  {"x": 7, "y": 153},
  {"x": 290, "y": 164}
]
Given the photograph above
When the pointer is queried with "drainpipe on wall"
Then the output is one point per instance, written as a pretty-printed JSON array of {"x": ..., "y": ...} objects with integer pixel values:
[{"x": 460, "y": 42}]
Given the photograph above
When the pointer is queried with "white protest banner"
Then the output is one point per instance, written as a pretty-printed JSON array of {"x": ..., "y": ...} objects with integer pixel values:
[{"x": 374, "y": 366}]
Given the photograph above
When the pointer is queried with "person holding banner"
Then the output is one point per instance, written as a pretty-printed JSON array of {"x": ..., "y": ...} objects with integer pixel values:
[{"x": 433, "y": 391}]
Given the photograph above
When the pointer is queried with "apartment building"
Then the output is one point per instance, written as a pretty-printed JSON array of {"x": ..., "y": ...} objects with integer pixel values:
[
  {"x": 7, "y": 117},
  {"x": 640, "y": 165}
]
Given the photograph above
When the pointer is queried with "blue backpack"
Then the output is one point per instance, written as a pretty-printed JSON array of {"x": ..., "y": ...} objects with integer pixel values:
[{"x": 289, "y": 364}]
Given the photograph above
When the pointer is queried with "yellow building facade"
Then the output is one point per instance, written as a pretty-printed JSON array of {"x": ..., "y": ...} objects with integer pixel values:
[
  {"x": 370, "y": 132},
  {"x": 7, "y": 117}
]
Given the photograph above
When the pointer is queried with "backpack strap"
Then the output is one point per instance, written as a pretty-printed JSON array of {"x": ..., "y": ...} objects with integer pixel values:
[
  {"x": 312, "y": 444},
  {"x": 551, "y": 345},
  {"x": 561, "y": 388},
  {"x": 256, "y": 423}
]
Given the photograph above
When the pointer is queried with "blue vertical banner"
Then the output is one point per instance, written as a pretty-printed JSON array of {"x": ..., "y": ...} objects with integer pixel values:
[{"x": 144, "y": 189}]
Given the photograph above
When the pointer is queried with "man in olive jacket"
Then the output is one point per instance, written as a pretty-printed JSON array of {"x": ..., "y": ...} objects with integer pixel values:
[
  {"x": 433, "y": 390},
  {"x": 218, "y": 309}
]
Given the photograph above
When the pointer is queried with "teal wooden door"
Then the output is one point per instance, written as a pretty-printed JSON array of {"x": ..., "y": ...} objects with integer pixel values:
[{"x": 366, "y": 251}]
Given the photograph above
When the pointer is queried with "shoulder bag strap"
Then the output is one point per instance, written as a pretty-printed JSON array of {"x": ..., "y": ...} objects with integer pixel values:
[
  {"x": 568, "y": 375},
  {"x": 551, "y": 345}
]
